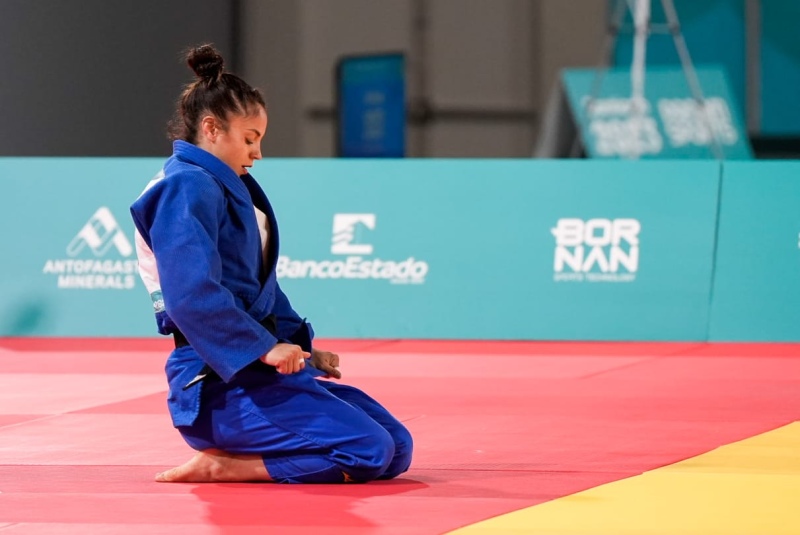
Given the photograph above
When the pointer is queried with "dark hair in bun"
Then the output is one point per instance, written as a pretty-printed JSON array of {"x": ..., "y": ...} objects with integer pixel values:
[
  {"x": 215, "y": 91},
  {"x": 206, "y": 63}
]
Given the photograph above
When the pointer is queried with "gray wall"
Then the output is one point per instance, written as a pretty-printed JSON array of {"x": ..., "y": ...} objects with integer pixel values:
[
  {"x": 486, "y": 66},
  {"x": 101, "y": 80},
  {"x": 98, "y": 77}
]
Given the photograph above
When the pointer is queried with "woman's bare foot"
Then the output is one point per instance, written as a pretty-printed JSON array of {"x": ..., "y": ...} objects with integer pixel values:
[{"x": 216, "y": 465}]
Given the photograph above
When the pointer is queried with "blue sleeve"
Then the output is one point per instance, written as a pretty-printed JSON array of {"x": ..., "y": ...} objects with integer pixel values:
[{"x": 181, "y": 219}]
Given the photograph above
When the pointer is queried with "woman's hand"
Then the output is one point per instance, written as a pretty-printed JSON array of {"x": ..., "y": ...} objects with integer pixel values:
[
  {"x": 287, "y": 358},
  {"x": 327, "y": 362}
]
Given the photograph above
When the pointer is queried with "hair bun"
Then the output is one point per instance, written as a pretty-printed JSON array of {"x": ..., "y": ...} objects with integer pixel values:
[{"x": 206, "y": 62}]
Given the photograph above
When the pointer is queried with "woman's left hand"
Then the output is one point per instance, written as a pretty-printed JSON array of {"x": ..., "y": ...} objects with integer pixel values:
[{"x": 327, "y": 362}]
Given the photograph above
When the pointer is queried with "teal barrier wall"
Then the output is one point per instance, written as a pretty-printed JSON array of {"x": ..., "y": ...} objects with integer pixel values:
[
  {"x": 69, "y": 268},
  {"x": 756, "y": 293},
  {"x": 498, "y": 249},
  {"x": 461, "y": 249},
  {"x": 419, "y": 249}
]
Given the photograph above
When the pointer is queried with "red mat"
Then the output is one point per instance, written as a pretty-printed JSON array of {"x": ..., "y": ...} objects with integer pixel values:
[{"x": 497, "y": 427}]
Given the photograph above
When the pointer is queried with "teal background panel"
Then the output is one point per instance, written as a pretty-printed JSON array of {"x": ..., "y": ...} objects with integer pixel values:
[
  {"x": 54, "y": 283},
  {"x": 756, "y": 292},
  {"x": 485, "y": 231},
  {"x": 461, "y": 249}
]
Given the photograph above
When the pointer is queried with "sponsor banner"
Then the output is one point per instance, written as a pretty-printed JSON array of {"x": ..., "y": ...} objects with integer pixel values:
[
  {"x": 471, "y": 249},
  {"x": 69, "y": 267},
  {"x": 666, "y": 123},
  {"x": 756, "y": 292},
  {"x": 351, "y": 259},
  {"x": 448, "y": 249},
  {"x": 702, "y": 22}
]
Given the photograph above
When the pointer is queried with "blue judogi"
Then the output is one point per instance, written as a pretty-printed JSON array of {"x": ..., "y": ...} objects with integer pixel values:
[{"x": 201, "y": 258}]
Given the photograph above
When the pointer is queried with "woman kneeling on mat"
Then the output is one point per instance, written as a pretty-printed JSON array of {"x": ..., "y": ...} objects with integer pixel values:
[{"x": 243, "y": 387}]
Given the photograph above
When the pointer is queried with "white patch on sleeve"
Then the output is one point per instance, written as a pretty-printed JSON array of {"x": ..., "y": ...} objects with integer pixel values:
[{"x": 148, "y": 270}]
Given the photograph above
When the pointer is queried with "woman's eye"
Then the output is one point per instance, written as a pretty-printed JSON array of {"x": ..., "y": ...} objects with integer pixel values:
[{"x": 248, "y": 142}]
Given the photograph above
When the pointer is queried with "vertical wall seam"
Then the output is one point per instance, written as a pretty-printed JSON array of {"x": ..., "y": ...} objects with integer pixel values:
[{"x": 714, "y": 248}]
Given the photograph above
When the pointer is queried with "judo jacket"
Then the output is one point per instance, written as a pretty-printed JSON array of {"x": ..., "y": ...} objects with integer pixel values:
[{"x": 201, "y": 259}]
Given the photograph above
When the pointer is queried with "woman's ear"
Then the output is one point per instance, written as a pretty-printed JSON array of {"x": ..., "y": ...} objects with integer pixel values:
[{"x": 209, "y": 127}]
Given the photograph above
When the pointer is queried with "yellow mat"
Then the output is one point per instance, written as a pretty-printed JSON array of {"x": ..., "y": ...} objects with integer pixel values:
[{"x": 750, "y": 487}]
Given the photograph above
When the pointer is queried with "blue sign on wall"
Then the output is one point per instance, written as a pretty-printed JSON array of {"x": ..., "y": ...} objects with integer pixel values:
[
  {"x": 668, "y": 123},
  {"x": 371, "y": 102}
]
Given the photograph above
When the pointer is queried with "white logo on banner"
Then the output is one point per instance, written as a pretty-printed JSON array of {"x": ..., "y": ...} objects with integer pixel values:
[
  {"x": 623, "y": 127},
  {"x": 344, "y": 230},
  {"x": 100, "y": 233},
  {"x": 110, "y": 269},
  {"x": 344, "y": 243},
  {"x": 596, "y": 250},
  {"x": 628, "y": 128},
  {"x": 687, "y": 123}
]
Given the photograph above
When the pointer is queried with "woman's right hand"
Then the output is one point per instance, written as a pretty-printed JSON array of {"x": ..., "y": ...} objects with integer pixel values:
[{"x": 287, "y": 358}]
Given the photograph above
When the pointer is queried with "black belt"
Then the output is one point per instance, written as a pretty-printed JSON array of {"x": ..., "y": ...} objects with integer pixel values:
[
  {"x": 180, "y": 339},
  {"x": 270, "y": 323}
]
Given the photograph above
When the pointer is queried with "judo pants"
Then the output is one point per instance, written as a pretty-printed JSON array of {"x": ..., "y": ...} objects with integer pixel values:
[{"x": 306, "y": 430}]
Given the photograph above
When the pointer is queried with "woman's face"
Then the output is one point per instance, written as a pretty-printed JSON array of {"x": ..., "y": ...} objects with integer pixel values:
[{"x": 240, "y": 144}]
